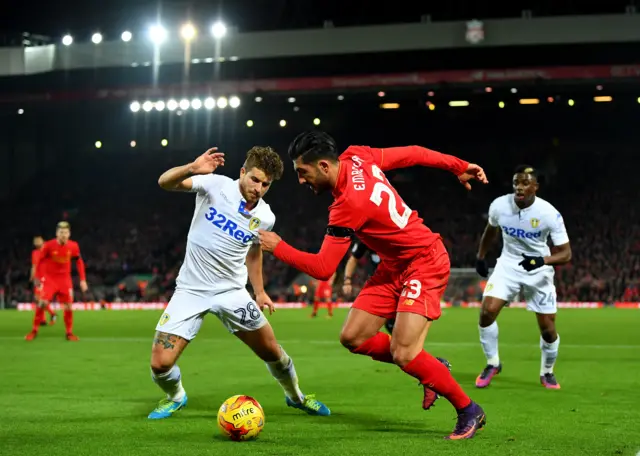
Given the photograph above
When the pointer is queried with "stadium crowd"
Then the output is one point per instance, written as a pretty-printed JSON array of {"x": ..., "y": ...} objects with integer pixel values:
[{"x": 132, "y": 234}]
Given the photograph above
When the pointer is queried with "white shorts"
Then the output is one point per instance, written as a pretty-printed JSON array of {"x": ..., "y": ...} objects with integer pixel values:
[
  {"x": 234, "y": 307},
  {"x": 538, "y": 291}
]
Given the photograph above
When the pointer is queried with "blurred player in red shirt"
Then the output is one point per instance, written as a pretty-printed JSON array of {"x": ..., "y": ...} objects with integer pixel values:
[
  {"x": 323, "y": 293},
  {"x": 54, "y": 266},
  {"x": 38, "y": 241},
  {"x": 414, "y": 269}
]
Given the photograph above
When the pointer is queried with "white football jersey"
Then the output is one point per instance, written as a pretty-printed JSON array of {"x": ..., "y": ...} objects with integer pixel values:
[
  {"x": 526, "y": 231},
  {"x": 221, "y": 233}
]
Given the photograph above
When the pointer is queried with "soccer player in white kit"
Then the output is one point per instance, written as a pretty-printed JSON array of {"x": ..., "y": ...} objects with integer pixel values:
[
  {"x": 222, "y": 252},
  {"x": 525, "y": 265}
]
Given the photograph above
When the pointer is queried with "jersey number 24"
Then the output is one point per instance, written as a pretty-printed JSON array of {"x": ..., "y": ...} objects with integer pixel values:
[{"x": 376, "y": 196}]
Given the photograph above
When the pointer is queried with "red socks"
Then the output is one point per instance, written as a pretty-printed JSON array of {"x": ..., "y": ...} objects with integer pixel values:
[
  {"x": 68, "y": 321},
  {"x": 330, "y": 308},
  {"x": 436, "y": 376},
  {"x": 378, "y": 347},
  {"x": 37, "y": 318}
]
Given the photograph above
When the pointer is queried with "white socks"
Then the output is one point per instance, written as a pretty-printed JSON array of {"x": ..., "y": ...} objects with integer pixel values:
[
  {"x": 285, "y": 373},
  {"x": 549, "y": 355},
  {"x": 489, "y": 342},
  {"x": 171, "y": 383}
]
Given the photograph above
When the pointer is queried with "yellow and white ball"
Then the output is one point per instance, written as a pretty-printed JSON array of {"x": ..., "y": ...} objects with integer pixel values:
[{"x": 241, "y": 418}]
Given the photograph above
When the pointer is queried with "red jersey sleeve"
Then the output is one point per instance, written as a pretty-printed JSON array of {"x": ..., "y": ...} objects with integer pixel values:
[
  {"x": 75, "y": 253},
  {"x": 35, "y": 257},
  {"x": 39, "y": 263},
  {"x": 320, "y": 265},
  {"x": 405, "y": 157}
]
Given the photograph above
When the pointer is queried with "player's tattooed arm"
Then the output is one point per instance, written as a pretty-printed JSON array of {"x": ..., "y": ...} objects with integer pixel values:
[{"x": 166, "y": 341}]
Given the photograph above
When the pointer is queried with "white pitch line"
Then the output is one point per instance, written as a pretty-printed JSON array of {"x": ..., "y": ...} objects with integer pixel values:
[{"x": 337, "y": 343}]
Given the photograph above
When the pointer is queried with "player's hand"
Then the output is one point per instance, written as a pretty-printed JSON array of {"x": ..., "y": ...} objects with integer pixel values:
[
  {"x": 263, "y": 300},
  {"x": 268, "y": 240},
  {"x": 529, "y": 263},
  {"x": 207, "y": 162},
  {"x": 481, "y": 267},
  {"x": 83, "y": 286},
  {"x": 36, "y": 283},
  {"x": 473, "y": 172},
  {"x": 347, "y": 289}
]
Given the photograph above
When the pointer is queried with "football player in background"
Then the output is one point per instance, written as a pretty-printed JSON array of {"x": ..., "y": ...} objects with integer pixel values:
[
  {"x": 525, "y": 265},
  {"x": 38, "y": 242},
  {"x": 53, "y": 276}
]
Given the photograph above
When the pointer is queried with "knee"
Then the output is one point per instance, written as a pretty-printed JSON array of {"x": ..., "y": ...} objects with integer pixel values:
[
  {"x": 161, "y": 361},
  {"x": 402, "y": 354},
  {"x": 487, "y": 316},
  {"x": 351, "y": 339}
]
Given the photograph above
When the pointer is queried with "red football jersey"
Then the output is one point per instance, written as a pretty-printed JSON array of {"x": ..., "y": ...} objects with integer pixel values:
[
  {"x": 57, "y": 258},
  {"x": 366, "y": 202}
]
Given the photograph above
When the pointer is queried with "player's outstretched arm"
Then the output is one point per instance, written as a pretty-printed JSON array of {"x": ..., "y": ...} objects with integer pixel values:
[
  {"x": 404, "y": 157},
  {"x": 320, "y": 265},
  {"x": 178, "y": 179},
  {"x": 488, "y": 237},
  {"x": 254, "y": 269}
]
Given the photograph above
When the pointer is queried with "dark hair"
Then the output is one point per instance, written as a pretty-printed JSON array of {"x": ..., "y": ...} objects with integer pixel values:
[
  {"x": 266, "y": 160},
  {"x": 526, "y": 169},
  {"x": 313, "y": 146}
]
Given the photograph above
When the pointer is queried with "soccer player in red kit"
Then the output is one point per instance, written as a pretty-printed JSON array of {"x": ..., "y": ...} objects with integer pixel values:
[
  {"x": 323, "y": 293},
  {"x": 56, "y": 256},
  {"x": 414, "y": 270},
  {"x": 38, "y": 241}
]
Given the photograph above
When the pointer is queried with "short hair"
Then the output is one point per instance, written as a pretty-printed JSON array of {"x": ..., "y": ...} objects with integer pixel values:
[
  {"x": 266, "y": 160},
  {"x": 526, "y": 169},
  {"x": 313, "y": 146},
  {"x": 63, "y": 225}
]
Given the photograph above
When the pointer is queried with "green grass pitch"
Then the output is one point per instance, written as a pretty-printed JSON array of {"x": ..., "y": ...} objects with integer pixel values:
[{"x": 92, "y": 397}]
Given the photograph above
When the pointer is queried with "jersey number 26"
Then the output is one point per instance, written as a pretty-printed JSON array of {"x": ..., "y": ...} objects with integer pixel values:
[{"x": 376, "y": 196}]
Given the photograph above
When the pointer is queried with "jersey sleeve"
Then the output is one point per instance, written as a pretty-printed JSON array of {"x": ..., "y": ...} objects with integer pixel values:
[
  {"x": 558, "y": 232},
  {"x": 44, "y": 252},
  {"x": 405, "y": 157},
  {"x": 494, "y": 219},
  {"x": 345, "y": 215},
  {"x": 205, "y": 183},
  {"x": 35, "y": 256},
  {"x": 268, "y": 227}
]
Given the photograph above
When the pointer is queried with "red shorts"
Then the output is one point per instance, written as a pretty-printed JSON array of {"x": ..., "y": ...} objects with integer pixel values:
[
  {"x": 52, "y": 287},
  {"x": 418, "y": 288},
  {"x": 324, "y": 291}
]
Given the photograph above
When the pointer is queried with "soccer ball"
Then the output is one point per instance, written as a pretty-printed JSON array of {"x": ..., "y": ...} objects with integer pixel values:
[{"x": 241, "y": 418}]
